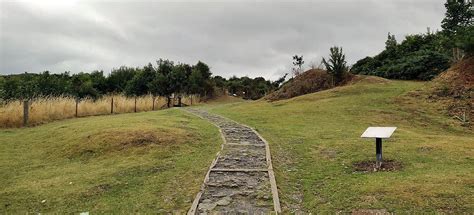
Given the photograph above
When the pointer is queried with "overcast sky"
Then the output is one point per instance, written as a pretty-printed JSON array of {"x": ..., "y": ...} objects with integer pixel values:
[{"x": 233, "y": 38}]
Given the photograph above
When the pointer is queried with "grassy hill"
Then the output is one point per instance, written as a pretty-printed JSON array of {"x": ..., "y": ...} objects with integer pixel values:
[
  {"x": 315, "y": 141},
  {"x": 145, "y": 162},
  {"x": 156, "y": 161}
]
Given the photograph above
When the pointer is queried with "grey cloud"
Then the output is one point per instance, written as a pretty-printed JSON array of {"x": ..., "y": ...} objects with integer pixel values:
[{"x": 234, "y": 38}]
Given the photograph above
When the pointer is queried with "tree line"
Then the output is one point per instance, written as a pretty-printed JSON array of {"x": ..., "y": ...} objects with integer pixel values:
[
  {"x": 167, "y": 79},
  {"x": 423, "y": 56}
]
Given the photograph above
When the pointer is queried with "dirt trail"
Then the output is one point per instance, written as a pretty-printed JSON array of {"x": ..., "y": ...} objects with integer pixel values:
[{"x": 241, "y": 178}]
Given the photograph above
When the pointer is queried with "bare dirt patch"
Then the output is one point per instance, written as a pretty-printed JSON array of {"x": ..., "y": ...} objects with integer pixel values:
[
  {"x": 370, "y": 212},
  {"x": 369, "y": 166},
  {"x": 311, "y": 81},
  {"x": 367, "y": 79},
  {"x": 315, "y": 80}
]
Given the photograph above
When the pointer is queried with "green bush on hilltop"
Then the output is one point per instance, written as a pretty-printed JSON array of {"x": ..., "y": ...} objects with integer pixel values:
[{"x": 423, "y": 56}]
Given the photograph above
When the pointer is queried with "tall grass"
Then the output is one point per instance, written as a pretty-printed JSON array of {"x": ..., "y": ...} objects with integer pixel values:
[{"x": 42, "y": 110}]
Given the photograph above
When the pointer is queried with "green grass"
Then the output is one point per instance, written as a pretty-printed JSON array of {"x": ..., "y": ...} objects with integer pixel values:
[
  {"x": 315, "y": 139},
  {"x": 150, "y": 162}
]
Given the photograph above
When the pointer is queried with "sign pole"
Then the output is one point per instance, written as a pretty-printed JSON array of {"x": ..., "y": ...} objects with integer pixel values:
[
  {"x": 378, "y": 151},
  {"x": 378, "y": 133}
]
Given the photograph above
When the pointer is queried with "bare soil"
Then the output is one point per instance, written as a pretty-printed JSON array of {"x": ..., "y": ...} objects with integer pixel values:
[{"x": 370, "y": 166}]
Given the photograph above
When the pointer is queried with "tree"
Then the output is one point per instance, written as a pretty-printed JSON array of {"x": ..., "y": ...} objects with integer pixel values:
[
  {"x": 336, "y": 65},
  {"x": 52, "y": 84},
  {"x": 82, "y": 87},
  {"x": 99, "y": 82},
  {"x": 297, "y": 61},
  {"x": 159, "y": 86},
  {"x": 162, "y": 80},
  {"x": 206, "y": 86},
  {"x": 118, "y": 78},
  {"x": 179, "y": 80},
  {"x": 459, "y": 14},
  {"x": 219, "y": 82},
  {"x": 276, "y": 84},
  {"x": 195, "y": 83},
  {"x": 10, "y": 88},
  {"x": 391, "y": 42},
  {"x": 465, "y": 40},
  {"x": 138, "y": 86},
  {"x": 234, "y": 85},
  {"x": 204, "y": 69}
]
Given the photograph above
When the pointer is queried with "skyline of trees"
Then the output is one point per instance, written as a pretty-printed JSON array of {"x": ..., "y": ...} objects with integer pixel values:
[{"x": 166, "y": 79}]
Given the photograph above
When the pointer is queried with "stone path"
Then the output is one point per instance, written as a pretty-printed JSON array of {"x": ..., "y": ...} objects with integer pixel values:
[{"x": 241, "y": 179}]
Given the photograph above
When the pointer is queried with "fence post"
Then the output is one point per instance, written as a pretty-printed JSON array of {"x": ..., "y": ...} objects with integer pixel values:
[
  {"x": 26, "y": 110},
  {"x": 112, "y": 106},
  {"x": 135, "y": 109},
  {"x": 77, "y": 104},
  {"x": 153, "y": 106}
]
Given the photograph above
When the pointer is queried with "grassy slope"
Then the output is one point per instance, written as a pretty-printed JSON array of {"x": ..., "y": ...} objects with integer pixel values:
[
  {"x": 147, "y": 162},
  {"x": 315, "y": 139}
]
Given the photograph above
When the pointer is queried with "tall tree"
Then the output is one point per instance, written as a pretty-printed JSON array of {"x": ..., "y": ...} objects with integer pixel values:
[
  {"x": 162, "y": 80},
  {"x": 459, "y": 14},
  {"x": 206, "y": 86},
  {"x": 159, "y": 86},
  {"x": 179, "y": 80},
  {"x": 118, "y": 78},
  {"x": 204, "y": 69},
  {"x": 336, "y": 64}
]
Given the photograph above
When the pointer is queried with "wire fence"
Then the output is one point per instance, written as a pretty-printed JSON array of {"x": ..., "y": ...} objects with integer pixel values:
[{"x": 42, "y": 110}]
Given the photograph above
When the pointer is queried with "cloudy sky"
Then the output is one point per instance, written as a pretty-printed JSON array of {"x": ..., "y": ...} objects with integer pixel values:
[{"x": 233, "y": 37}]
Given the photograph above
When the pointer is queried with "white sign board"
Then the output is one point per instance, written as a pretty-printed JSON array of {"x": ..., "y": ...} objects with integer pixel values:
[{"x": 378, "y": 132}]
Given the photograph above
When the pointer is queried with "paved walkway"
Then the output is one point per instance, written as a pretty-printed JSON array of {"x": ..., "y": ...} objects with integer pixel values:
[{"x": 240, "y": 180}]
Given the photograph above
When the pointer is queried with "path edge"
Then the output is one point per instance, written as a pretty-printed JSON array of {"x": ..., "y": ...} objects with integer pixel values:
[{"x": 193, "y": 209}]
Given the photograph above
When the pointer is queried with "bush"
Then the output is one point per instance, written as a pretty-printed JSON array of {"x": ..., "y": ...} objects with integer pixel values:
[
  {"x": 411, "y": 62},
  {"x": 421, "y": 65}
]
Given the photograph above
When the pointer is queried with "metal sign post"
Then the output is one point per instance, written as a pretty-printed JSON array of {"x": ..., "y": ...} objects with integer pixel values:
[
  {"x": 378, "y": 133},
  {"x": 378, "y": 152}
]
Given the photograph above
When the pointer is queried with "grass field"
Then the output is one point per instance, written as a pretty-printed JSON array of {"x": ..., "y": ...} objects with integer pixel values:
[
  {"x": 315, "y": 139},
  {"x": 151, "y": 162},
  {"x": 154, "y": 162}
]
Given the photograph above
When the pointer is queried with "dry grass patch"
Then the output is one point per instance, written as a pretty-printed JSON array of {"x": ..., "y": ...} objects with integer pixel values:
[
  {"x": 454, "y": 89},
  {"x": 43, "y": 110}
]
